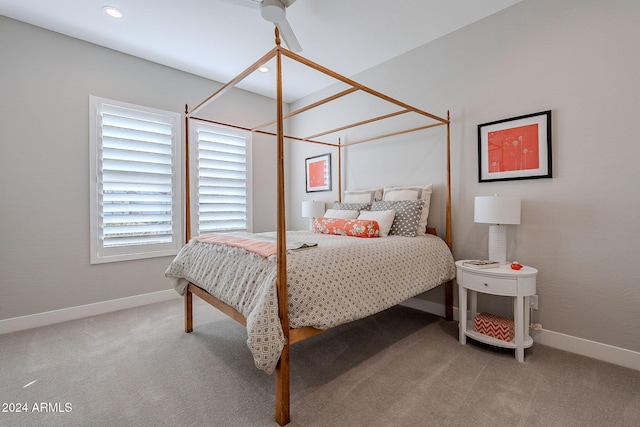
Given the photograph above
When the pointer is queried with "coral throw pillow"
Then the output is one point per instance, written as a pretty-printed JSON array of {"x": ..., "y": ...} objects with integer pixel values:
[{"x": 347, "y": 227}]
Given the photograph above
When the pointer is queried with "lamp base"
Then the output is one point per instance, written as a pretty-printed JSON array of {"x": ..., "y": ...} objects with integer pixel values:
[{"x": 498, "y": 243}]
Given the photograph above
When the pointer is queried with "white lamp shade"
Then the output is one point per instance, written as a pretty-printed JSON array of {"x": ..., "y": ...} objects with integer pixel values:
[
  {"x": 312, "y": 209},
  {"x": 497, "y": 209}
]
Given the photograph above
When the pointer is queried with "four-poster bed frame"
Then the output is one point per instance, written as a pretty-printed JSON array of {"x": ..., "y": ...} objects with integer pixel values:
[{"x": 295, "y": 335}]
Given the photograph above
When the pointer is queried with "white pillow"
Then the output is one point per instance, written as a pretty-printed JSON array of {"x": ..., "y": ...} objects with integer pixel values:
[
  {"x": 357, "y": 198},
  {"x": 341, "y": 213},
  {"x": 401, "y": 194},
  {"x": 414, "y": 192},
  {"x": 362, "y": 196},
  {"x": 383, "y": 218}
]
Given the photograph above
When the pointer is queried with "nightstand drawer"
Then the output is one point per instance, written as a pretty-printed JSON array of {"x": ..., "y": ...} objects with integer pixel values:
[{"x": 490, "y": 285}]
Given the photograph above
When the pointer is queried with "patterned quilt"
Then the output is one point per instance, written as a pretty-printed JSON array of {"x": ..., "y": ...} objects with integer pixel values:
[{"x": 340, "y": 280}]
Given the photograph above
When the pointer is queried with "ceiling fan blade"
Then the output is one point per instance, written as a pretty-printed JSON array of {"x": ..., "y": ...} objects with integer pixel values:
[
  {"x": 244, "y": 3},
  {"x": 288, "y": 36}
]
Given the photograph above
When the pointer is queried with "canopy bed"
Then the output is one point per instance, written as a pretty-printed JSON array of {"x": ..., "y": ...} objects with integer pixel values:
[{"x": 294, "y": 323}]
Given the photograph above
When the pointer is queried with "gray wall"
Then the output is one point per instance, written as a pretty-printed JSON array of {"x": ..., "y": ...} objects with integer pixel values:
[
  {"x": 580, "y": 59},
  {"x": 45, "y": 85}
]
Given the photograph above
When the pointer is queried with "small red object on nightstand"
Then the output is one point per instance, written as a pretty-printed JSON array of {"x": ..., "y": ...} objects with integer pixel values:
[{"x": 515, "y": 265}]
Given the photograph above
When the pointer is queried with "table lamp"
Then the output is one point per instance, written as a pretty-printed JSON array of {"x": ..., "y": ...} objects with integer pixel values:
[
  {"x": 312, "y": 209},
  {"x": 497, "y": 211}
]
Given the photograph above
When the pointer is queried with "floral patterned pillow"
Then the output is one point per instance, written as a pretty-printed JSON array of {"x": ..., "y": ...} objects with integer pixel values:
[{"x": 347, "y": 227}]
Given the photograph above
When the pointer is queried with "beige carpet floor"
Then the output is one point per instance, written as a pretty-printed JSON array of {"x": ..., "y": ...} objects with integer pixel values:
[{"x": 399, "y": 368}]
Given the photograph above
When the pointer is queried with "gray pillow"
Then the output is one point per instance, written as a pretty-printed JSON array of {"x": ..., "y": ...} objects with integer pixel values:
[
  {"x": 407, "y": 216},
  {"x": 352, "y": 206}
]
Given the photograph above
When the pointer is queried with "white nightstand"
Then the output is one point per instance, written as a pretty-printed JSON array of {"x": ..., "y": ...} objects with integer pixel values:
[{"x": 520, "y": 284}]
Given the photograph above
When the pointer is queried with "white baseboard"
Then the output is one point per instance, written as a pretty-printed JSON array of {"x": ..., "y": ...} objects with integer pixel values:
[
  {"x": 595, "y": 350},
  {"x": 56, "y": 316}
]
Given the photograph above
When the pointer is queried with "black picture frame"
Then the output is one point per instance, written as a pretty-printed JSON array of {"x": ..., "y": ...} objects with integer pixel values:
[
  {"x": 515, "y": 148},
  {"x": 318, "y": 173}
]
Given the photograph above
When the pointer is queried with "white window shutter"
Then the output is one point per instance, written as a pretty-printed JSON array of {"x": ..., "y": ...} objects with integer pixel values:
[
  {"x": 222, "y": 178},
  {"x": 138, "y": 203}
]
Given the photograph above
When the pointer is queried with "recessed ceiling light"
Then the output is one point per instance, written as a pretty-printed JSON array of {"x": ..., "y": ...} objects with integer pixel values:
[
  {"x": 113, "y": 12},
  {"x": 263, "y": 69}
]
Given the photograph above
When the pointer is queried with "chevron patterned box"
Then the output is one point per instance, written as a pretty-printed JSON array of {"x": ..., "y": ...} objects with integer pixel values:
[{"x": 494, "y": 326}]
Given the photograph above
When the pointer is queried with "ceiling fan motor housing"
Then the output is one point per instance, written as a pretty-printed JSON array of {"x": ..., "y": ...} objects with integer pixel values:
[{"x": 273, "y": 10}]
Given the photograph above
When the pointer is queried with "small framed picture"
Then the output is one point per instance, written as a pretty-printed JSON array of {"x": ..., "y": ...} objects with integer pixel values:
[
  {"x": 318, "y": 173},
  {"x": 515, "y": 148}
]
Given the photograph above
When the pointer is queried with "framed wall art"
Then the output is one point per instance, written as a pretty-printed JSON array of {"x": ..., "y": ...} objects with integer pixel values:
[
  {"x": 515, "y": 148},
  {"x": 318, "y": 173}
]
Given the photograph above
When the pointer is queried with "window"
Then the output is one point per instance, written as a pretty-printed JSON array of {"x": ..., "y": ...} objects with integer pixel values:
[
  {"x": 136, "y": 198},
  {"x": 220, "y": 178}
]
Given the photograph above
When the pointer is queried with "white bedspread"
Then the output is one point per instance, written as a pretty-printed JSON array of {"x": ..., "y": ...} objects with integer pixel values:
[{"x": 341, "y": 280}]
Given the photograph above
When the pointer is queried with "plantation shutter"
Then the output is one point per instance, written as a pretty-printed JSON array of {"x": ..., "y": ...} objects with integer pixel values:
[
  {"x": 138, "y": 203},
  {"x": 222, "y": 179}
]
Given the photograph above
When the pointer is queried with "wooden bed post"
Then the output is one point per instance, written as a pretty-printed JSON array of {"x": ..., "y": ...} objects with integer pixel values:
[
  {"x": 188, "y": 311},
  {"x": 448, "y": 287},
  {"x": 283, "y": 367},
  {"x": 448, "y": 236},
  {"x": 187, "y": 196},
  {"x": 339, "y": 170},
  {"x": 188, "y": 297}
]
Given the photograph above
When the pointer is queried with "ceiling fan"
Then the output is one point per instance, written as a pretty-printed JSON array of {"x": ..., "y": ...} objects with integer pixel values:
[{"x": 274, "y": 11}]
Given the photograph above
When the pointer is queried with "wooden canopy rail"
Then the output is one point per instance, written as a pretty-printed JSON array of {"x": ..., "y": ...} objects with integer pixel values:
[{"x": 294, "y": 335}]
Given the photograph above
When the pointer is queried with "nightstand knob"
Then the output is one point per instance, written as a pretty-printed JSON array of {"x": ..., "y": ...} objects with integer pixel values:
[{"x": 486, "y": 284}]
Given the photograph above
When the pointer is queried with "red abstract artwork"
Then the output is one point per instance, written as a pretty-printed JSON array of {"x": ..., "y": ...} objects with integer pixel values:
[
  {"x": 514, "y": 149},
  {"x": 317, "y": 174}
]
